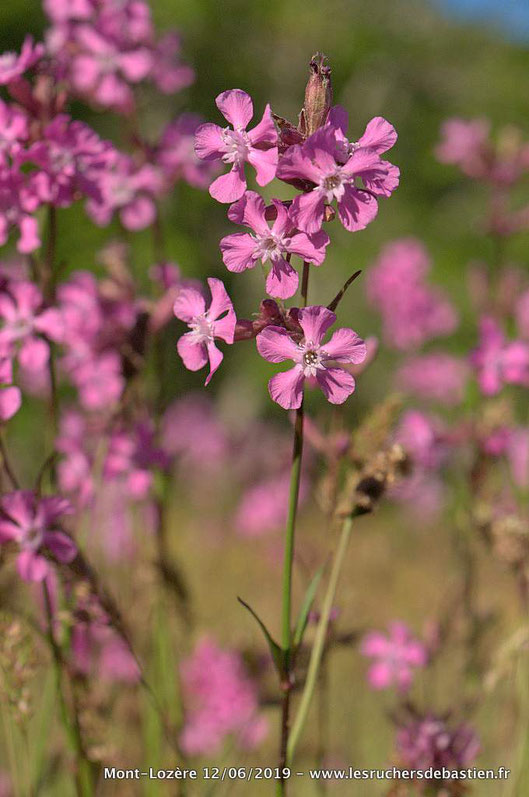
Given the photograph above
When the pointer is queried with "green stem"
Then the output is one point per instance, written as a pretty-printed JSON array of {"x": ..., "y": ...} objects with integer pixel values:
[
  {"x": 72, "y": 728},
  {"x": 319, "y": 641},
  {"x": 286, "y": 611}
]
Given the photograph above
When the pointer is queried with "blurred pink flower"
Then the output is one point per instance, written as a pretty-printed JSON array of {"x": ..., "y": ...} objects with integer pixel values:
[
  {"x": 33, "y": 524},
  {"x": 412, "y": 311},
  {"x": 12, "y": 65},
  {"x": 257, "y": 146},
  {"x": 464, "y": 143},
  {"x": 428, "y": 741},
  {"x": 396, "y": 657},
  {"x": 219, "y": 700},
  {"x": 10, "y": 396},
  {"x": 436, "y": 376},
  {"x": 23, "y": 323},
  {"x": 498, "y": 361}
]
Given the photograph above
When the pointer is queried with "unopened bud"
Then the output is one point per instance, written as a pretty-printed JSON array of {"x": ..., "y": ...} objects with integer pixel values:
[{"x": 318, "y": 96}]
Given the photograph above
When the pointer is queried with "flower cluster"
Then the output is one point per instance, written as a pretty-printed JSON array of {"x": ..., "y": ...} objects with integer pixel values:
[{"x": 325, "y": 167}]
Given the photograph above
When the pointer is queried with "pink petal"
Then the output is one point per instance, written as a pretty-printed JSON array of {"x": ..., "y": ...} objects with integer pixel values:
[
  {"x": 265, "y": 132},
  {"x": 215, "y": 358},
  {"x": 250, "y": 210},
  {"x": 236, "y": 106},
  {"x": 220, "y": 301},
  {"x": 337, "y": 384},
  {"x": 282, "y": 281},
  {"x": 286, "y": 389},
  {"x": 229, "y": 187},
  {"x": 276, "y": 345},
  {"x": 10, "y": 402},
  {"x": 379, "y": 135},
  {"x": 139, "y": 214},
  {"x": 50, "y": 323},
  {"x": 31, "y": 566},
  {"x": 136, "y": 65},
  {"x": 346, "y": 346},
  {"x": 315, "y": 321},
  {"x": 238, "y": 251},
  {"x": 34, "y": 354},
  {"x": 380, "y": 675},
  {"x": 225, "y": 327},
  {"x": 356, "y": 209},
  {"x": 189, "y": 304},
  {"x": 209, "y": 144},
  {"x": 29, "y": 235},
  {"x": 264, "y": 163},
  {"x": 311, "y": 248},
  {"x": 193, "y": 354},
  {"x": 339, "y": 119},
  {"x": 307, "y": 211},
  {"x": 374, "y": 644},
  {"x": 61, "y": 546}
]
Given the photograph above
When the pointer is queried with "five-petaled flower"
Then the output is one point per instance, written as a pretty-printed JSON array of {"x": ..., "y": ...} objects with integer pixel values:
[
  {"x": 257, "y": 146},
  {"x": 395, "y": 657},
  {"x": 334, "y": 169},
  {"x": 312, "y": 358},
  {"x": 218, "y": 321},
  {"x": 32, "y": 523},
  {"x": 499, "y": 361},
  {"x": 243, "y": 250}
]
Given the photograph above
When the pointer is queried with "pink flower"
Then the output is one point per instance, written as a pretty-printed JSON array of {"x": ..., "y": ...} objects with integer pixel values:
[
  {"x": 10, "y": 396},
  {"x": 128, "y": 190},
  {"x": 14, "y": 131},
  {"x": 263, "y": 507},
  {"x": 465, "y": 144},
  {"x": 192, "y": 430},
  {"x": 12, "y": 65},
  {"x": 319, "y": 164},
  {"x": 18, "y": 201},
  {"x": 312, "y": 358},
  {"x": 428, "y": 742},
  {"x": 412, "y": 311},
  {"x": 436, "y": 376},
  {"x": 71, "y": 158},
  {"x": 24, "y": 322},
  {"x": 176, "y": 154},
  {"x": 102, "y": 68},
  {"x": 218, "y": 321},
  {"x": 237, "y": 146},
  {"x": 220, "y": 700},
  {"x": 168, "y": 72},
  {"x": 243, "y": 250},
  {"x": 396, "y": 656},
  {"x": 498, "y": 361},
  {"x": 421, "y": 435},
  {"x": 32, "y": 523}
]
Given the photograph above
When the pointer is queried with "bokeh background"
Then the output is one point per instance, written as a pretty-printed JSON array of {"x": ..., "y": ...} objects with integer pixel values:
[{"x": 415, "y": 63}]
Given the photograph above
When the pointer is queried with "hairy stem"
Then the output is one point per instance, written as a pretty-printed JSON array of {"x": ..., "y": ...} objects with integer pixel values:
[{"x": 319, "y": 641}]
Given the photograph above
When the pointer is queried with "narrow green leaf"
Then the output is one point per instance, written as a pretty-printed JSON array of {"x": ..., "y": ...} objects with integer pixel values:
[
  {"x": 278, "y": 654},
  {"x": 339, "y": 296},
  {"x": 303, "y": 616}
]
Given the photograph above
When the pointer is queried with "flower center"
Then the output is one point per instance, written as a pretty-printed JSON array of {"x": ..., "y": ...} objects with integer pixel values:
[
  {"x": 33, "y": 538},
  {"x": 312, "y": 360},
  {"x": 202, "y": 329},
  {"x": 333, "y": 186},
  {"x": 269, "y": 246},
  {"x": 236, "y": 145}
]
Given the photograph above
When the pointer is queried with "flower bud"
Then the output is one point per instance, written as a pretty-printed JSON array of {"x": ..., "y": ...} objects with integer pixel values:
[{"x": 318, "y": 96}]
